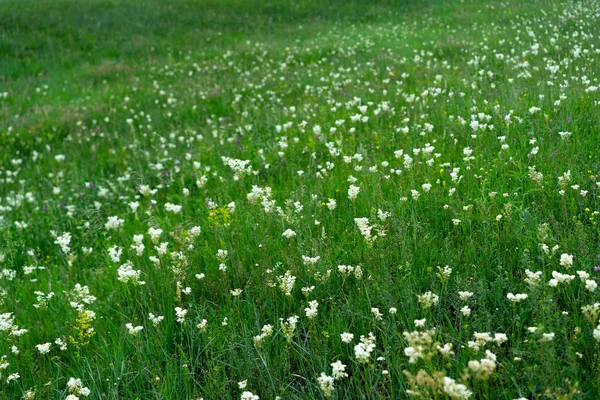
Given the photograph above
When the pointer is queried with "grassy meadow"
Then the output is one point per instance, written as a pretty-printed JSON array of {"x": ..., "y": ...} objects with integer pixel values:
[{"x": 244, "y": 199}]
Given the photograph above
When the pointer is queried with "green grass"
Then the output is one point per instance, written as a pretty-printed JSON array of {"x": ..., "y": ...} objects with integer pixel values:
[{"x": 153, "y": 93}]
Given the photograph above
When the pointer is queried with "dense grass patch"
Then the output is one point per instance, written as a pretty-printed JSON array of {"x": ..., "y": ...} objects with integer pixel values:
[{"x": 299, "y": 199}]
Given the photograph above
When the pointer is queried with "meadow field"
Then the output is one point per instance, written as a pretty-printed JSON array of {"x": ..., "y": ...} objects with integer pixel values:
[{"x": 294, "y": 199}]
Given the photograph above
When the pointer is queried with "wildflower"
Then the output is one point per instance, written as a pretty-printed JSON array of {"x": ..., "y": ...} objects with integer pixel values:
[
  {"x": 240, "y": 168},
  {"x": 583, "y": 275},
  {"x": 365, "y": 229},
  {"x": 162, "y": 248},
  {"x": 310, "y": 261},
  {"x": 464, "y": 296},
  {"x": 62, "y": 345},
  {"x": 63, "y": 241},
  {"x": 180, "y": 312},
  {"x": 175, "y": 209},
  {"x": 428, "y": 299},
  {"x": 444, "y": 273},
  {"x": 12, "y": 377},
  {"x": 485, "y": 367},
  {"x": 201, "y": 182},
  {"x": 267, "y": 331},
  {"x": 560, "y": 278},
  {"x": 338, "y": 370},
  {"x": 547, "y": 337},
  {"x": 222, "y": 255},
  {"x": 500, "y": 338},
  {"x": 311, "y": 310},
  {"x": 133, "y": 330},
  {"x": 596, "y": 333},
  {"x": 43, "y": 348},
  {"x": 81, "y": 294},
  {"x": 113, "y": 223},
  {"x": 515, "y": 298},
  {"x": 202, "y": 325},
  {"x": 146, "y": 191},
  {"x": 479, "y": 340},
  {"x": 138, "y": 246},
  {"x": 591, "y": 312},
  {"x": 195, "y": 231},
  {"x": 347, "y": 337},
  {"x": 42, "y": 299},
  {"x": 590, "y": 285},
  {"x": 564, "y": 135},
  {"x": 286, "y": 283},
  {"x": 466, "y": 311},
  {"x": 155, "y": 319},
  {"x": 363, "y": 350},
  {"x": 564, "y": 179},
  {"x": 155, "y": 234},
  {"x": 134, "y": 206},
  {"x": 353, "y": 192},
  {"x": 249, "y": 396},
  {"x": 420, "y": 345},
  {"x": 326, "y": 384},
  {"x": 376, "y": 313},
  {"x": 288, "y": 234},
  {"x": 446, "y": 350},
  {"x": 345, "y": 270},
  {"x": 307, "y": 290},
  {"x": 114, "y": 253},
  {"x": 331, "y": 204},
  {"x": 289, "y": 327},
  {"x": 455, "y": 390},
  {"x": 566, "y": 260},
  {"x": 358, "y": 272},
  {"x": 383, "y": 215},
  {"x": 533, "y": 278},
  {"x": 126, "y": 274},
  {"x": 419, "y": 323}
]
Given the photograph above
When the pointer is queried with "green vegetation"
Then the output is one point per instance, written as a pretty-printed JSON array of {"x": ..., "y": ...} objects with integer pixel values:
[{"x": 299, "y": 199}]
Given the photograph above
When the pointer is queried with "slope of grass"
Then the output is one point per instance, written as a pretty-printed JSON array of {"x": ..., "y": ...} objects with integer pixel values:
[{"x": 394, "y": 170}]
